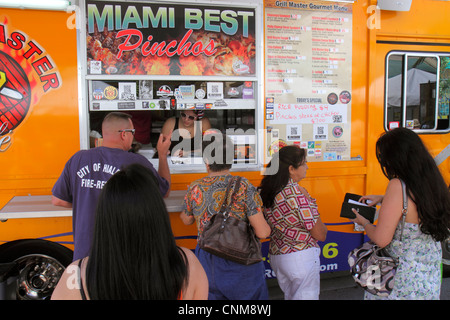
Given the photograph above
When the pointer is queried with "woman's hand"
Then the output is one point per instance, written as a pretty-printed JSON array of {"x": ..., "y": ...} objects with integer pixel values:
[
  {"x": 371, "y": 200},
  {"x": 178, "y": 153},
  {"x": 359, "y": 219}
]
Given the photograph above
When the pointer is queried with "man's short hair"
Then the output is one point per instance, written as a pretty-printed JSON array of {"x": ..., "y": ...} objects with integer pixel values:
[{"x": 117, "y": 116}]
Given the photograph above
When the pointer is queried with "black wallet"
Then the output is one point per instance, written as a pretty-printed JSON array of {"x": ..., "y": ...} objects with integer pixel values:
[{"x": 365, "y": 211}]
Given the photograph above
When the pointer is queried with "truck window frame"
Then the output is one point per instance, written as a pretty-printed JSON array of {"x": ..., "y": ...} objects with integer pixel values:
[{"x": 440, "y": 125}]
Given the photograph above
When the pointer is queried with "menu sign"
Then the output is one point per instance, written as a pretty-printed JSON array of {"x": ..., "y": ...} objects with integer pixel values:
[
  {"x": 308, "y": 48},
  {"x": 169, "y": 39}
]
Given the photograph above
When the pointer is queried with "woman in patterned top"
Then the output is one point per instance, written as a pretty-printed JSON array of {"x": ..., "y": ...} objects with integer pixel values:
[
  {"x": 227, "y": 279},
  {"x": 296, "y": 226}
]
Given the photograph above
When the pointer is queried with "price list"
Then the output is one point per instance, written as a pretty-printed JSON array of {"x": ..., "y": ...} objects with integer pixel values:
[{"x": 308, "y": 74}]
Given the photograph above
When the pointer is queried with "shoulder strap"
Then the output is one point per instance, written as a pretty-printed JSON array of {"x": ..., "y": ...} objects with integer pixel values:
[
  {"x": 236, "y": 187},
  {"x": 237, "y": 183},
  {"x": 224, "y": 203},
  {"x": 405, "y": 207}
]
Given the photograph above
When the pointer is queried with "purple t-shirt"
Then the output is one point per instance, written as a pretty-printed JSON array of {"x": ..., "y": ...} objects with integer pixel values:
[{"x": 81, "y": 182}]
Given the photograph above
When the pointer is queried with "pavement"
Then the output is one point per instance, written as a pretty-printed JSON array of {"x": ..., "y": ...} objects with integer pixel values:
[{"x": 341, "y": 286}]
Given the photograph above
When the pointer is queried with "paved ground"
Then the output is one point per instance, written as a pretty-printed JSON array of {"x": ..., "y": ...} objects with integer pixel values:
[{"x": 340, "y": 286}]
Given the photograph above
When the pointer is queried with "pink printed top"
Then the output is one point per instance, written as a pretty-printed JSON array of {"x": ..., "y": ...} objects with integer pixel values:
[{"x": 291, "y": 217}]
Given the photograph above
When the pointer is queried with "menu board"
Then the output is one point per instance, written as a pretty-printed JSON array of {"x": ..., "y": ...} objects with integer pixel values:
[
  {"x": 146, "y": 38},
  {"x": 308, "y": 72}
]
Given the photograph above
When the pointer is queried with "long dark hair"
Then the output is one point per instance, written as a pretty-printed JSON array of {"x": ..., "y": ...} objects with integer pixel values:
[
  {"x": 273, "y": 183},
  {"x": 402, "y": 154},
  {"x": 134, "y": 255}
]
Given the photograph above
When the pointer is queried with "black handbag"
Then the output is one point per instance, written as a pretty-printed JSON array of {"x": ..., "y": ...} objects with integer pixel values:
[
  {"x": 372, "y": 267},
  {"x": 229, "y": 237}
]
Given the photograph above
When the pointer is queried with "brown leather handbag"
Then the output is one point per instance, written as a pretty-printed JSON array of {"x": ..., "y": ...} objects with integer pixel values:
[{"x": 229, "y": 237}]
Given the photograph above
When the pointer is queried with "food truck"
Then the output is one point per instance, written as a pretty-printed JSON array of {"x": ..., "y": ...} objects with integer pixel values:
[{"x": 328, "y": 76}]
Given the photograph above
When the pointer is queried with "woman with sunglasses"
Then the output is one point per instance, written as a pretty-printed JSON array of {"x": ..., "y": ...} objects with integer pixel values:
[{"x": 187, "y": 132}]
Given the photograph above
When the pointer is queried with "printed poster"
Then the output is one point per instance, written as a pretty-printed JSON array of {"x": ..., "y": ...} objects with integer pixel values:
[{"x": 308, "y": 65}]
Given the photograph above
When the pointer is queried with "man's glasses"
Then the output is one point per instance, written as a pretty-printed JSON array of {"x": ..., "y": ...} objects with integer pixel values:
[
  {"x": 184, "y": 115},
  {"x": 128, "y": 130}
]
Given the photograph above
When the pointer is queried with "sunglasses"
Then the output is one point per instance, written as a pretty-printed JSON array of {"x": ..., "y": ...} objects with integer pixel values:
[
  {"x": 184, "y": 115},
  {"x": 128, "y": 130}
]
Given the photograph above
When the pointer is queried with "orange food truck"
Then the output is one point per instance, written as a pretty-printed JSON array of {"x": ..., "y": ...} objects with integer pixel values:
[{"x": 328, "y": 76}]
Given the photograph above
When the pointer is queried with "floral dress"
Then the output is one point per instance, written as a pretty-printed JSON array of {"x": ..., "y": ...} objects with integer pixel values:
[{"x": 418, "y": 274}]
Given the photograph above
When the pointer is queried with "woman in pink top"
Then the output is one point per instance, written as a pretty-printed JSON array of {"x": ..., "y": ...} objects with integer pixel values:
[{"x": 296, "y": 226}]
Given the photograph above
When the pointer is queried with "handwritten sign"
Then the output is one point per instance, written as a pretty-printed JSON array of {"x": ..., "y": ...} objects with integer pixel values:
[{"x": 309, "y": 113}]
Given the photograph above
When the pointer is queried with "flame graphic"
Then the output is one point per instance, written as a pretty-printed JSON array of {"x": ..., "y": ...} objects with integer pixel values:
[
  {"x": 156, "y": 65},
  {"x": 191, "y": 65},
  {"x": 235, "y": 55}
]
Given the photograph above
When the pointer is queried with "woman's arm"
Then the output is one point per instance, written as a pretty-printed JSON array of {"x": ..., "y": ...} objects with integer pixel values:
[
  {"x": 205, "y": 124},
  {"x": 187, "y": 220},
  {"x": 197, "y": 287},
  {"x": 260, "y": 225},
  {"x": 68, "y": 287},
  {"x": 388, "y": 218},
  {"x": 319, "y": 231}
]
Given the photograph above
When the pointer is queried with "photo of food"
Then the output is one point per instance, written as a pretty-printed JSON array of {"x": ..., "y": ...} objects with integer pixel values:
[{"x": 179, "y": 50}]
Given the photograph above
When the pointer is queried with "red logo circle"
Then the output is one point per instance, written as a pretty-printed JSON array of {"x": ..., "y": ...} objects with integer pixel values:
[{"x": 15, "y": 93}]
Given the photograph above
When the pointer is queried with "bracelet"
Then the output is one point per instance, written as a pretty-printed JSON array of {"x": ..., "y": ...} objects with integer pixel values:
[{"x": 365, "y": 224}]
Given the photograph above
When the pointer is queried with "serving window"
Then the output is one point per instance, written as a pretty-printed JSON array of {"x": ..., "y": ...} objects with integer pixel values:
[
  {"x": 161, "y": 61},
  {"x": 417, "y": 91},
  {"x": 229, "y": 107}
]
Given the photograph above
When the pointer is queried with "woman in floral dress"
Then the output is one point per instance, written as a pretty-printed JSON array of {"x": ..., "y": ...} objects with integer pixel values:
[{"x": 403, "y": 156}]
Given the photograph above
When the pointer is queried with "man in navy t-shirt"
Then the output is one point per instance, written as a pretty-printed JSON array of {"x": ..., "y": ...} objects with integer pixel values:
[{"x": 87, "y": 171}]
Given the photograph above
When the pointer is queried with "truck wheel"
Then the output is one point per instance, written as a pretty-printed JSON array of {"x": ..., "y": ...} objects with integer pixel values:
[{"x": 40, "y": 264}]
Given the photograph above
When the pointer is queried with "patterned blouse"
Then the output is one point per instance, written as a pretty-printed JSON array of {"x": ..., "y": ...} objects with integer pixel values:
[
  {"x": 205, "y": 196},
  {"x": 291, "y": 218}
]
